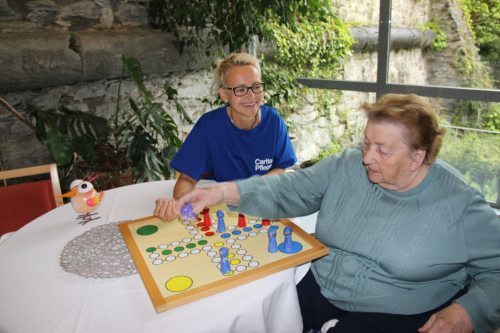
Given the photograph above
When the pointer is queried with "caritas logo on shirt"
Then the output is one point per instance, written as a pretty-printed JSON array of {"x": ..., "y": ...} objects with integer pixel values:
[{"x": 263, "y": 165}]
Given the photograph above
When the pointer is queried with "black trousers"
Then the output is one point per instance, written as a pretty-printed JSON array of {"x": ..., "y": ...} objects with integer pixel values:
[{"x": 316, "y": 310}]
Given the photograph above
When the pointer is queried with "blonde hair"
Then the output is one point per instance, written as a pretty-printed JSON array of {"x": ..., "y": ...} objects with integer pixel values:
[
  {"x": 233, "y": 60},
  {"x": 416, "y": 115}
]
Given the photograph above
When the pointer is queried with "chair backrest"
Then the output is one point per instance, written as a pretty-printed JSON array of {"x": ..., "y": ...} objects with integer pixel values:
[{"x": 23, "y": 202}]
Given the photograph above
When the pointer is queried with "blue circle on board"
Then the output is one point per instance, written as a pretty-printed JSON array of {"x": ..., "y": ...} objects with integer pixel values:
[
  {"x": 257, "y": 225},
  {"x": 225, "y": 235}
]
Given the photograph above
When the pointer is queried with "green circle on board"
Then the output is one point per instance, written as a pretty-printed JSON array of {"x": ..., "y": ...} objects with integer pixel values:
[
  {"x": 166, "y": 252},
  {"x": 202, "y": 242},
  {"x": 179, "y": 248},
  {"x": 151, "y": 249},
  {"x": 147, "y": 230},
  {"x": 190, "y": 245}
]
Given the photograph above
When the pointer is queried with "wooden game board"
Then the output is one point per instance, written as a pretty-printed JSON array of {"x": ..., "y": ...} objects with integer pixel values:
[{"x": 179, "y": 261}]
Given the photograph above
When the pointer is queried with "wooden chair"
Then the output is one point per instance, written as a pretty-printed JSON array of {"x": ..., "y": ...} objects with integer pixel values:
[{"x": 23, "y": 202}]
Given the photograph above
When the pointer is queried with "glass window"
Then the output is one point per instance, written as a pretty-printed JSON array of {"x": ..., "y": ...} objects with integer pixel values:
[
  {"x": 435, "y": 25},
  {"x": 470, "y": 146}
]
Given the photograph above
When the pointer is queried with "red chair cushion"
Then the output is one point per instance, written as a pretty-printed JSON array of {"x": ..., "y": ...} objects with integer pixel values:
[{"x": 22, "y": 203}]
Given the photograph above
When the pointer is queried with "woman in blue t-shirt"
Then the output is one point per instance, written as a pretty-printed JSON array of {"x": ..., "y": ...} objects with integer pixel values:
[{"x": 235, "y": 141}]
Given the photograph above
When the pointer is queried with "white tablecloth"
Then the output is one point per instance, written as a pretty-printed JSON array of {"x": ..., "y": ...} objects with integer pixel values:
[{"x": 37, "y": 295}]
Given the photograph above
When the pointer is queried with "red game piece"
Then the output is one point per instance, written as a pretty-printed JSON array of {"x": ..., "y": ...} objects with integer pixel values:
[
  {"x": 207, "y": 221},
  {"x": 242, "y": 221},
  {"x": 266, "y": 222}
]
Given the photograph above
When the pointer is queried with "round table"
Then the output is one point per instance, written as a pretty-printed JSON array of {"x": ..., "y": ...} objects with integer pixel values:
[{"x": 37, "y": 295}]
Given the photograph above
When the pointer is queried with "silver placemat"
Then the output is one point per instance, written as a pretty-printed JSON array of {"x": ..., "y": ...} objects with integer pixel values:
[{"x": 99, "y": 252}]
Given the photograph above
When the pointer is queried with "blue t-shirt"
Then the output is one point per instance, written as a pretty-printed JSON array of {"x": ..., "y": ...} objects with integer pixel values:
[{"x": 216, "y": 149}]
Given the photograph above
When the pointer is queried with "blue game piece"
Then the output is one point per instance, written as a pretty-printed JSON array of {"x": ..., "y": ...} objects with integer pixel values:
[
  {"x": 289, "y": 246},
  {"x": 225, "y": 267},
  {"x": 273, "y": 246},
  {"x": 187, "y": 212},
  {"x": 288, "y": 239},
  {"x": 221, "y": 225}
]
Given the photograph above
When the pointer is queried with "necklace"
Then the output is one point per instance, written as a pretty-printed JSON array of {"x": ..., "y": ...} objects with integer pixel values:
[{"x": 254, "y": 123}]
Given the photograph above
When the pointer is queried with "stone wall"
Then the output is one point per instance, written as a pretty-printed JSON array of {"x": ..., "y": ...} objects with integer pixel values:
[
  {"x": 71, "y": 15},
  {"x": 104, "y": 26}
]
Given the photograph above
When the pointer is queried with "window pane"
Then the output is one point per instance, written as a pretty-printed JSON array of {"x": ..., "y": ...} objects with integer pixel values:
[
  {"x": 473, "y": 150},
  {"x": 476, "y": 154},
  {"x": 362, "y": 19},
  {"x": 453, "y": 58}
]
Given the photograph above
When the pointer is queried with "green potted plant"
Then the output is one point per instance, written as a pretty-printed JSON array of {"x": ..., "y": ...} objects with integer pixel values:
[
  {"x": 135, "y": 145},
  {"x": 148, "y": 135}
]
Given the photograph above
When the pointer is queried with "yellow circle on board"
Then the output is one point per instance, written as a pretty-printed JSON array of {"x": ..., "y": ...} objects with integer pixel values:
[
  {"x": 235, "y": 262},
  {"x": 178, "y": 283},
  {"x": 218, "y": 244},
  {"x": 230, "y": 255}
]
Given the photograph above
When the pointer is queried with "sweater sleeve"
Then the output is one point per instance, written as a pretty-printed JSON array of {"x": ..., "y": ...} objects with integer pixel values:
[
  {"x": 482, "y": 243},
  {"x": 287, "y": 195}
]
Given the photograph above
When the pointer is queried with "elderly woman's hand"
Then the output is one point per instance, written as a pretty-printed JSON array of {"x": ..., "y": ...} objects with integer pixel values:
[
  {"x": 201, "y": 198},
  {"x": 452, "y": 319}
]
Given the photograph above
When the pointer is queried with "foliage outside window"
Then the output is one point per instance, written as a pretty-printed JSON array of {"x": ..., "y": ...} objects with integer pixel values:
[
  {"x": 483, "y": 18},
  {"x": 477, "y": 156},
  {"x": 313, "y": 48},
  {"x": 440, "y": 42}
]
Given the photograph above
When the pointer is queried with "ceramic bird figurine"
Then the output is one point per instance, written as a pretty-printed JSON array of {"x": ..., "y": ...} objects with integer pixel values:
[{"x": 84, "y": 199}]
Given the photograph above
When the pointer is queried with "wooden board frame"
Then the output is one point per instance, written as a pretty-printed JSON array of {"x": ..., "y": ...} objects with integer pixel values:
[{"x": 314, "y": 250}]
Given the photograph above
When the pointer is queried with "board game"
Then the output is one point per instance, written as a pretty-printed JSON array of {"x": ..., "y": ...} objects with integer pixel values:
[{"x": 188, "y": 259}]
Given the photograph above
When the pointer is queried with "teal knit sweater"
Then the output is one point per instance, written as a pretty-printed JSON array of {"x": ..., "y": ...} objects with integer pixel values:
[{"x": 391, "y": 252}]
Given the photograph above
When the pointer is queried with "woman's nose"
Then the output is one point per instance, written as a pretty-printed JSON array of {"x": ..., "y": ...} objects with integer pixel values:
[{"x": 367, "y": 155}]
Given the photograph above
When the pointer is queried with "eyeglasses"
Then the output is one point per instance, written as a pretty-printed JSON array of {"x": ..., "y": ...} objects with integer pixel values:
[{"x": 257, "y": 88}]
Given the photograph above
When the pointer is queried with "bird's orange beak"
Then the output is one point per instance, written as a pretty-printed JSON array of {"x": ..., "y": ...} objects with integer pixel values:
[{"x": 70, "y": 194}]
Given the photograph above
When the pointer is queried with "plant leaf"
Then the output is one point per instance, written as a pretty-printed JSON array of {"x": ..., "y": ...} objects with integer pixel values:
[{"x": 60, "y": 147}]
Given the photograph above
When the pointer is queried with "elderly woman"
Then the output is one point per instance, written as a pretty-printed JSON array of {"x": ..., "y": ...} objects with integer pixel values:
[{"x": 412, "y": 247}]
